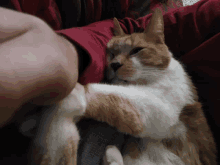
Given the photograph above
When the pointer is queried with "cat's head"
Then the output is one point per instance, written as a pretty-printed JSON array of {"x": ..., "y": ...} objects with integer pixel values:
[{"x": 138, "y": 58}]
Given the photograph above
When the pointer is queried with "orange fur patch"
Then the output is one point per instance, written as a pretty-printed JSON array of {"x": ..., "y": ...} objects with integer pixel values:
[
  {"x": 69, "y": 153},
  {"x": 186, "y": 150},
  {"x": 199, "y": 132}
]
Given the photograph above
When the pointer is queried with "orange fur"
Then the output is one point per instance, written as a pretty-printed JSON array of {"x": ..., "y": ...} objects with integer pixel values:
[{"x": 199, "y": 133}]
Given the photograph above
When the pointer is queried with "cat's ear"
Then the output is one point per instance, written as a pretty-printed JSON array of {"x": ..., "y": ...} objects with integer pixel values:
[
  {"x": 155, "y": 27},
  {"x": 118, "y": 31}
]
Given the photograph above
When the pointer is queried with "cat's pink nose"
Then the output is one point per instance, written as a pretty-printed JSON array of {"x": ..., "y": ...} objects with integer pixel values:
[{"x": 115, "y": 66}]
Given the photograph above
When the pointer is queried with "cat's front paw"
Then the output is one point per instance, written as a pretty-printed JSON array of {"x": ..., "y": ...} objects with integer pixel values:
[
  {"x": 74, "y": 105},
  {"x": 112, "y": 156}
]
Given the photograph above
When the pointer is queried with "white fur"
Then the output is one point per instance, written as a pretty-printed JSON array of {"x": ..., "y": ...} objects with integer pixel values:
[{"x": 138, "y": 66}]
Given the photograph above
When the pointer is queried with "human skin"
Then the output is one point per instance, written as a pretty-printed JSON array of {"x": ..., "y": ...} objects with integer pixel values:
[{"x": 36, "y": 64}]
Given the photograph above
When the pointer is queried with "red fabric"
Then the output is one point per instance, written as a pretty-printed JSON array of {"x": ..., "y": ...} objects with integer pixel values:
[
  {"x": 165, "y": 6},
  {"x": 124, "y": 6},
  {"x": 98, "y": 10},
  {"x": 44, "y": 9},
  {"x": 49, "y": 12},
  {"x": 206, "y": 59},
  {"x": 140, "y": 8},
  {"x": 93, "y": 38},
  {"x": 90, "y": 10}
]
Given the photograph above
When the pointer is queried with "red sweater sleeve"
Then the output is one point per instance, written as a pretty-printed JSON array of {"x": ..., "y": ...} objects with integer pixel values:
[
  {"x": 185, "y": 29},
  {"x": 93, "y": 39}
]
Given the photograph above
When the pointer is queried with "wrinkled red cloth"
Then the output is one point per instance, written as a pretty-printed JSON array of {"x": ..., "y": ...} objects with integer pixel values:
[
  {"x": 139, "y": 8},
  {"x": 94, "y": 10}
]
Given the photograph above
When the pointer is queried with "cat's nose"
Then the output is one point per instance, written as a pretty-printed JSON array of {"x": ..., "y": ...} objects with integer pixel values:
[{"x": 115, "y": 66}]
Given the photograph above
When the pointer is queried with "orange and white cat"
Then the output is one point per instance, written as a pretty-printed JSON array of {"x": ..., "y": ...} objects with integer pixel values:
[{"x": 150, "y": 97}]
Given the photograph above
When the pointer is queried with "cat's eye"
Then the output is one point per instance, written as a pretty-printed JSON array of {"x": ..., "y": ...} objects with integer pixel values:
[
  {"x": 111, "y": 55},
  {"x": 135, "y": 50}
]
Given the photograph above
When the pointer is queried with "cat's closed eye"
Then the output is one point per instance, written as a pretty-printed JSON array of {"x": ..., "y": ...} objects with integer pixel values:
[
  {"x": 111, "y": 54},
  {"x": 135, "y": 50}
]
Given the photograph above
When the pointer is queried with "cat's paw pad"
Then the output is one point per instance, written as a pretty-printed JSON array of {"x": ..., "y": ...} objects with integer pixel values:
[
  {"x": 112, "y": 156},
  {"x": 74, "y": 105}
]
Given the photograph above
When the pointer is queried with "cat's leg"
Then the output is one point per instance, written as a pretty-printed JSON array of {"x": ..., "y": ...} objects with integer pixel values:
[
  {"x": 105, "y": 104},
  {"x": 57, "y": 137},
  {"x": 112, "y": 156},
  {"x": 133, "y": 110}
]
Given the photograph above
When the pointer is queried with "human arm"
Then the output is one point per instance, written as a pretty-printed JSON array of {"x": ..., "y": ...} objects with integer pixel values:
[{"x": 37, "y": 65}]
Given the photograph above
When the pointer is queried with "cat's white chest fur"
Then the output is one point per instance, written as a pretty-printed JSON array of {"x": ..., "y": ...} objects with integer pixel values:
[{"x": 169, "y": 95}]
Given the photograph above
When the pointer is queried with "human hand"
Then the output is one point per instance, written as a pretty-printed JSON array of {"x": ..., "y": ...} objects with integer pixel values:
[{"x": 36, "y": 64}]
